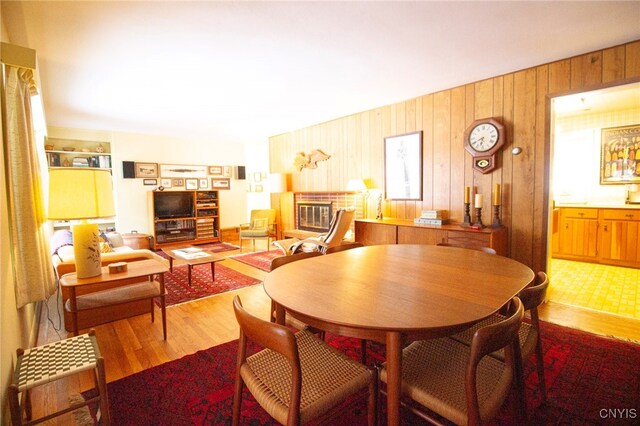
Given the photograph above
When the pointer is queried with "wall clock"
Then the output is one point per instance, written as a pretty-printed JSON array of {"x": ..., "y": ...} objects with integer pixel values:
[{"x": 483, "y": 139}]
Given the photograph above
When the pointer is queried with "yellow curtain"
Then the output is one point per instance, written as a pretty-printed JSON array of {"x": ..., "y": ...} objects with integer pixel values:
[{"x": 33, "y": 269}]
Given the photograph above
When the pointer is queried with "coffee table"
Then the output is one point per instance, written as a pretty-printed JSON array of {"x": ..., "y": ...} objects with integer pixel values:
[{"x": 192, "y": 256}]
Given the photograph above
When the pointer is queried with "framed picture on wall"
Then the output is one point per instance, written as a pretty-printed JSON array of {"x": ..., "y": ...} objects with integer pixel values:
[
  {"x": 620, "y": 155},
  {"x": 203, "y": 183},
  {"x": 215, "y": 170},
  {"x": 223, "y": 183},
  {"x": 227, "y": 171},
  {"x": 166, "y": 183},
  {"x": 146, "y": 170},
  {"x": 403, "y": 167},
  {"x": 177, "y": 182},
  {"x": 191, "y": 183},
  {"x": 149, "y": 181},
  {"x": 182, "y": 171}
]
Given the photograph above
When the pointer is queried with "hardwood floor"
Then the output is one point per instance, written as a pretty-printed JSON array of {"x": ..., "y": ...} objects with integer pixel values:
[{"x": 135, "y": 344}]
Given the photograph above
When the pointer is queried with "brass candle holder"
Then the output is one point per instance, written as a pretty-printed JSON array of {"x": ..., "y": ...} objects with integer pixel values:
[
  {"x": 478, "y": 221},
  {"x": 496, "y": 217}
]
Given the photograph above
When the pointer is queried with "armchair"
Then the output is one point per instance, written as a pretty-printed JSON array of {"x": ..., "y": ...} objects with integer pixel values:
[
  {"x": 262, "y": 226},
  {"x": 337, "y": 229}
]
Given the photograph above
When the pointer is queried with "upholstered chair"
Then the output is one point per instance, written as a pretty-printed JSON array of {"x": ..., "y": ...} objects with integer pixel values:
[{"x": 262, "y": 226}]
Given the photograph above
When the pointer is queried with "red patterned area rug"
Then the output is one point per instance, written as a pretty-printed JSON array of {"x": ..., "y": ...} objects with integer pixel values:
[
  {"x": 179, "y": 291},
  {"x": 589, "y": 379},
  {"x": 259, "y": 259}
]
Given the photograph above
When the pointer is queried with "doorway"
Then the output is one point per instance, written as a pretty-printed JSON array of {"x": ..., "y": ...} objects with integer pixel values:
[{"x": 582, "y": 273}]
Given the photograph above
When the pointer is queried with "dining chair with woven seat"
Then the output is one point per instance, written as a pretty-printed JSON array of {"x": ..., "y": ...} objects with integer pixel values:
[
  {"x": 283, "y": 260},
  {"x": 296, "y": 377},
  {"x": 343, "y": 247},
  {"x": 483, "y": 249},
  {"x": 462, "y": 383},
  {"x": 529, "y": 333}
]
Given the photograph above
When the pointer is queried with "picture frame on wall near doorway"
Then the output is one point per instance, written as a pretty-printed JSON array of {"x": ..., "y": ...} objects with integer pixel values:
[{"x": 620, "y": 155}]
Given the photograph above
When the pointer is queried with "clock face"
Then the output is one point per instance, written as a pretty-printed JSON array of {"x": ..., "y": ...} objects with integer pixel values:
[{"x": 483, "y": 137}]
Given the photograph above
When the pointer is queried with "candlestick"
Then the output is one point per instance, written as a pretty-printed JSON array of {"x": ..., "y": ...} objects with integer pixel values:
[
  {"x": 467, "y": 214},
  {"x": 478, "y": 221},
  {"x": 478, "y": 203},
  {"x": 496, "y": 217},
  {"x": 496, "y": 195},
  {"x": 467, "y": 194}
]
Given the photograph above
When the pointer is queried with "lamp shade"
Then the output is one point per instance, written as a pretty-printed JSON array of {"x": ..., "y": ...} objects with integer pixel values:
[
  {"x": 356, "y": 185},
  {"x": 80, "y": 193},
  {"x": 278, "y": 182}
]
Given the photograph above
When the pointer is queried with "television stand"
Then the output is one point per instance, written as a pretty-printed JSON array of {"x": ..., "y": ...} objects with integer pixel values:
[{"x": 203, "y": 226}]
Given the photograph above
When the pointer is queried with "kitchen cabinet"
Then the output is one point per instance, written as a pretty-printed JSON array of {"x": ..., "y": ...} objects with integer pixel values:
[
  {"x": 619, "y": 237},
  {"x": 600, "y": 235},
  {"x": 578, "y": 233}
]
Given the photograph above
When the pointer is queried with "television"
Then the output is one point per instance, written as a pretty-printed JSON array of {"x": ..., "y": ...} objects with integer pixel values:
[{"x": 170, "y": 205}]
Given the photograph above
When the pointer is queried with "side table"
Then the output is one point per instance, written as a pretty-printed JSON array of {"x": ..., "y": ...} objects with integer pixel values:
[
  {"x": 143, "y": 280},
  {"x": 138, "y": 241},
  {"x": 43, "y": 364}
]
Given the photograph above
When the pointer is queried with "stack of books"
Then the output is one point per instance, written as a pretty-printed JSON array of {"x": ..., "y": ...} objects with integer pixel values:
[
  {"x": 190, "y": 253},
  {"x": 432, "y": 217}
]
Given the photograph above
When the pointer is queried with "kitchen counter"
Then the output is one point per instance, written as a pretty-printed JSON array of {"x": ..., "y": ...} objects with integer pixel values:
[{"x": 597, "y": 206}]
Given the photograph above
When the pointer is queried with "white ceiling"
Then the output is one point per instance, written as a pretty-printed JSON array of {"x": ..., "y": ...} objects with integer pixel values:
[{"x": 242, "y": 71}]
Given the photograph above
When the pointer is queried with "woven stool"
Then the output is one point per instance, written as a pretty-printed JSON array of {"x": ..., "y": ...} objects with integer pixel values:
[{"x": 44, "y": 364}]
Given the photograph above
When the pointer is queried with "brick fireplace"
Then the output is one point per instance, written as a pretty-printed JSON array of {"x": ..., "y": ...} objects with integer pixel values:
[
  {"x": 314, "y": 216},
  {"x": 336, "y": 200}
]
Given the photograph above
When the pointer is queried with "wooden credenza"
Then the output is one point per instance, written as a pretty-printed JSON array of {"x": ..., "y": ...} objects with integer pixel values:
[{"x": 401, "y": 231}]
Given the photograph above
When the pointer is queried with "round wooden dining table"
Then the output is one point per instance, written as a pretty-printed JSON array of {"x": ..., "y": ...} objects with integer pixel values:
[{"x": 394, "y": 294}]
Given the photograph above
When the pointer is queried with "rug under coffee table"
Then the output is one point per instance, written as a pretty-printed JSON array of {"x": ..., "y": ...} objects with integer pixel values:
[{"x": 192, "y": 256}]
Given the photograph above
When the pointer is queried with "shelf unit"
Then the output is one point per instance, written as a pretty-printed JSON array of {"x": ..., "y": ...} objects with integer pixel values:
[
  {"x": 203, "y": 226},
  {"x": 78, "y": 153}
]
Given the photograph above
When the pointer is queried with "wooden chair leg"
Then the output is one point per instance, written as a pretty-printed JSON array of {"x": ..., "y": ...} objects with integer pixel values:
[
  {"x": 540, "y": 366},
  {"x": 363, "y": 351},
  {"x": 163, "y": 308},
  {"x": 273, "y": 311},
  {"x": 153, "y": 318},
  {"x": 14, "y": 403},
  {"x": 372, "y": 406},
  {"x": 101, "y": 383},
  {"x": 237, "y": 401}
]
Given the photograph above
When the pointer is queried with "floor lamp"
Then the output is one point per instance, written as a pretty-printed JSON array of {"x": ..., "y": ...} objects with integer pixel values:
[
  {"x": 77, "y": 193},
  {"x": 278, "y": 185}
]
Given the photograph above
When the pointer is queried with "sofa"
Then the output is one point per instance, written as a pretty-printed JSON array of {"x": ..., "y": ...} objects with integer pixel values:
[{"x": 113, "y": 250}]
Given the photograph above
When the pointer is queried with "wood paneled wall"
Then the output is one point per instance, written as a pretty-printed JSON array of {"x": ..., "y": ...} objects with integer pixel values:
[{"x": 519, "y": 100}]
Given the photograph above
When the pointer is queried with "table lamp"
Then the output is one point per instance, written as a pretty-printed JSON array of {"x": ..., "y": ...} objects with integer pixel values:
[
  {"x": 80, "y": 194},
  {"x": 358, "y": 185}
]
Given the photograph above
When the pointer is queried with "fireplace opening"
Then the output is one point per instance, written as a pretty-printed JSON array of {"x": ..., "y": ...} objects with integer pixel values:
[{"x": 314, "y": 216}]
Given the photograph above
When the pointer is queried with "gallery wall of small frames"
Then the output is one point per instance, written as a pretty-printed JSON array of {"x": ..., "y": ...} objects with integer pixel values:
[{"x": 184, "y": 177}]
